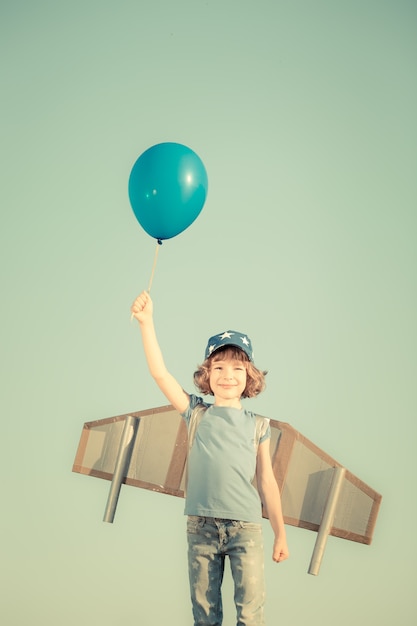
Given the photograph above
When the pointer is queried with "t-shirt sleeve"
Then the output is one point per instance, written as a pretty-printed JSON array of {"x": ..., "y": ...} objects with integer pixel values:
[
  {"x": 194, "y": 401},
  {"x": 265, "y": 431}
]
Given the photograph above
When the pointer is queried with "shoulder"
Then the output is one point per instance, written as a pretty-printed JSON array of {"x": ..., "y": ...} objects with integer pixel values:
[
  {"x": 195, "y": 402},
  {"x": 262, "y": 426}
]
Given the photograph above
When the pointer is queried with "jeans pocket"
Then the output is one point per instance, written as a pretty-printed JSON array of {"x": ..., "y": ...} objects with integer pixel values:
[
  {"x": 251, "y": 526},
  {"x": 194, "y": 524}
]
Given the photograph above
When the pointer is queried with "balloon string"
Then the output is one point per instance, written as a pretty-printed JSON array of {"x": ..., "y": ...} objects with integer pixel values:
[
  {"x": 153, "y": 270},
  {"x": 159, "y": 243}
]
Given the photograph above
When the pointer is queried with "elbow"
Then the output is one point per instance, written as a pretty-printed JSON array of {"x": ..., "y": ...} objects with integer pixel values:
[
  {"x": 268, "y": 491},
  {"x": 159, "y": 376}
]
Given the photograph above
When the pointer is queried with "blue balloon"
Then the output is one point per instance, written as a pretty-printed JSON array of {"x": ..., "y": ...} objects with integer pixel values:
[{"x": 167, "y": 189}]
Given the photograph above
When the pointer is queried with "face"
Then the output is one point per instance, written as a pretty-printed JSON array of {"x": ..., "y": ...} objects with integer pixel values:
[{"x": 228, "y": 381}]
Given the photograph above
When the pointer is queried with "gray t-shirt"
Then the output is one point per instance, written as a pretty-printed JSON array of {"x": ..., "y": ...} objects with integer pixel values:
[{"x": 222, "y": 464}]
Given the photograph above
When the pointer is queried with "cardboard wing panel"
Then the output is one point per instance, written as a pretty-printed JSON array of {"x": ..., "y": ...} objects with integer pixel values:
[
  {"x": 303, "y": 471},
  {"x": 304, "y": 474},
  {"x": 159, "y": 451}
]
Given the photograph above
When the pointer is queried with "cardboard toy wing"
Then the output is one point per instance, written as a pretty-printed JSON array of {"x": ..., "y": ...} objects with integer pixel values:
[{"x": 148, "y": 449}]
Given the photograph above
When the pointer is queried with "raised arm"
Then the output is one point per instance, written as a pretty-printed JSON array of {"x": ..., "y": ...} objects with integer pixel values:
[{"x": 142, "y": 310}]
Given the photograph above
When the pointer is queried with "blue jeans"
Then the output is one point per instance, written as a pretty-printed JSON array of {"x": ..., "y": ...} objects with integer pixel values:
[{"x": 210, "y": 540}]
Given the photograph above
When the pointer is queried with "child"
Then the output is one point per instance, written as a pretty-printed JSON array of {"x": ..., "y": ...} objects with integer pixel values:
[{"x": 223, "y": 507}]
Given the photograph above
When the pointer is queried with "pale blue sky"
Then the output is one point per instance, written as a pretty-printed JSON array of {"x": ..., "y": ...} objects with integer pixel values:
[{"x": 303, "y": 113}]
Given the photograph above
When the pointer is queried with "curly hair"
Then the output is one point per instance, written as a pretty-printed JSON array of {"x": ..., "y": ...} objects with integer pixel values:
[{"x": 255, "y": 378}]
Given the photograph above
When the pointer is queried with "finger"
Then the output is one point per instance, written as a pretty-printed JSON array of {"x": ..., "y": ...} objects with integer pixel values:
[{"x": 138, "y": 304}]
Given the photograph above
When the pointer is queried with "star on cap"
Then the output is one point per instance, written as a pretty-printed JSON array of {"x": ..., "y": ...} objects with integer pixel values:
[{"x": 227, "y": 338}]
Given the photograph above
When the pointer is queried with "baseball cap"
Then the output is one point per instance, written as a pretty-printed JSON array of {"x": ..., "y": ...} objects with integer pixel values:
[{"x": 229, "y": 338}]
